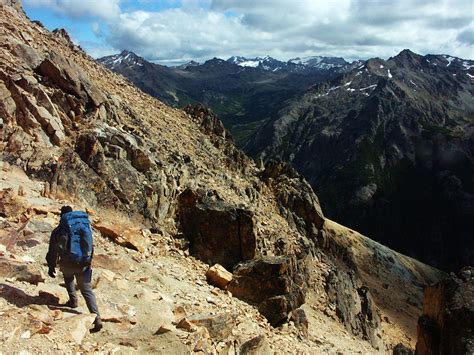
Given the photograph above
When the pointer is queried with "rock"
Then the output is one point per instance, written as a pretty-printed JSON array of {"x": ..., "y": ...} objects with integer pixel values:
[
  {"x": 219, "y": 325},
  {"x": 10, "y": 204},
  {"x": 73, "y": 328},
  {"x": 179, "y": 313},
  {"x": 355, "y": 307},
  {"x": 256, "y": 346},
  {"x": 276, "y": 285},
  {"x": 125, "y": 236},
  {"x": 298, "y": 202},
  {"x": 164, "y": 329},
  {"x": 66, "y": 75},
  {"x": 446, "y": 325},
  {"x": 52, "y": 293},
  {"x": 298, "y": 316},
  {"x": 43, "y": 314},
  {"x": 185, "y": 324},
  {"x": 29, "y": 55},
  {"x": 201, "y": 341},
  {"x": 219, "y": 232},
  {"x": 401, "y": 349},
  {"x": 218, "y": 276},
  {"x": 20, "y": 271},
  {"x": 16, "y": 4},
  {"x": 212, "y": 126}
]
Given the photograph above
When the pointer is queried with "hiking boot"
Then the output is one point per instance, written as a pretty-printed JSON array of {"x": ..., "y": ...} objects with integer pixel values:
[
  {"x": 71, "y": 304},
  {"x": 97, "y": 325}
]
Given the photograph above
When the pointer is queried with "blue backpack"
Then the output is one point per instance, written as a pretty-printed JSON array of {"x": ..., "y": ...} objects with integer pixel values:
[{"x": 79, "y": 248}]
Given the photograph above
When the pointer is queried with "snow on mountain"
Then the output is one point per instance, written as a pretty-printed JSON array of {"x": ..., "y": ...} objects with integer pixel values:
[{"x": 124, "y": 58}]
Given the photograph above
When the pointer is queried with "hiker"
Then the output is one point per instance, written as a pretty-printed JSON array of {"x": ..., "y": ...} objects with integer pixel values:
[{"x": 71, "y": 243}]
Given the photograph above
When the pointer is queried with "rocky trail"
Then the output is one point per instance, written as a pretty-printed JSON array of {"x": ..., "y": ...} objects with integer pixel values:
[
  {"x": 154, "y": 301},
  {"x": 169, "y": 197}
]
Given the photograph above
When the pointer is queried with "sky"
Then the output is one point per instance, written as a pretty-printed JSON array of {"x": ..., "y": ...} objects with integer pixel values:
[{"x": 173, "y": 32}]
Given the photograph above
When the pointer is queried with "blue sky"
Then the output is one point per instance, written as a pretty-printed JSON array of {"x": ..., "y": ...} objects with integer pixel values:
[{"x": 176, "y": 31}]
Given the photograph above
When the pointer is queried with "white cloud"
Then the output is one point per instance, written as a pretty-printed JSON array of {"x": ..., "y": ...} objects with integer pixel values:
[
  {"x": 104, "y": 9},
  {"x": 284, "y": 28}
]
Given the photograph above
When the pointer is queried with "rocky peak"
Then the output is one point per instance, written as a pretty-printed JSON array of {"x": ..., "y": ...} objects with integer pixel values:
[
  {"x": 16, "y": 4},
  {"x": 409, "y": 59}
]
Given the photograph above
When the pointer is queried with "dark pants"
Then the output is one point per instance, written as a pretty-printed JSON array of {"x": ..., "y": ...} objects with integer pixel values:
[{"x": 83, "y": 277}]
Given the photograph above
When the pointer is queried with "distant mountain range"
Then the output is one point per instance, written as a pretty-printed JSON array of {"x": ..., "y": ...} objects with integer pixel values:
[
  {"x": 243, "y": 92},
  {"x": 387, "y": 144},
  {"x": 389, "y": 147}
]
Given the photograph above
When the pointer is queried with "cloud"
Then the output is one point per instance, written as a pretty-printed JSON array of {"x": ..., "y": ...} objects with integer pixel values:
[
  {"x": 103, "y": 9},
  {"x": 466, "y": 36},
  {"x": 353, "y": 29}
]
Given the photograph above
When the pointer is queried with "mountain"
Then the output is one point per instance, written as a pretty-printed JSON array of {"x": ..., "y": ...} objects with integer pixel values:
[
  {"x": 389, "y": 148},
  {"x": 243, "y": 92},
  {"x": 170, "y": 197}
]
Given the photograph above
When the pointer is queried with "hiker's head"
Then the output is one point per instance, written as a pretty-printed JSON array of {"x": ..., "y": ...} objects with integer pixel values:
[{"x": 66, "y": 209}]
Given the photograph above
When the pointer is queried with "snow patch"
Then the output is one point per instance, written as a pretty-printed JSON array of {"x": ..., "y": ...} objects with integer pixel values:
[
  {"x": 466, "y": 65},
  {"x": 381, "y": 66},
  {"x": 411, "y": 81},
  {"x": 368, "y": 87},
  {"x": 469, "y": 75},
  {"x": 250, "y": 63},
  {"x": 389, "y": 74},
  {"x": 449, "y": 59}
]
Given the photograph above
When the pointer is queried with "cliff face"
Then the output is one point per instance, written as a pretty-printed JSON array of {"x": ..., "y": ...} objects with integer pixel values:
[
  {"x": 169, "y": 195},
  {"x": 447, "y": 323},
  {"x": 388, "y": 147}
]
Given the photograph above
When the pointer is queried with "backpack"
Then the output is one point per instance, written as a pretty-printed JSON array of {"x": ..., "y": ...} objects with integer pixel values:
[{"x": 79, "y": 247}]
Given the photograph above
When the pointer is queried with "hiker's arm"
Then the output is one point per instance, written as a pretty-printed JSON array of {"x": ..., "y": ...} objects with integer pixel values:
[{"x": 53, "y": 250}]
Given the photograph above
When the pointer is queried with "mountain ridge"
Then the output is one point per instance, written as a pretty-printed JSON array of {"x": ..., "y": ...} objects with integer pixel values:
[{"x": 384, "y": 120}]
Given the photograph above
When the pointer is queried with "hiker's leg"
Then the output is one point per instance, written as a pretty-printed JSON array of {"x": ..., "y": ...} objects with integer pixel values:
[
  {"x": 70, "y": 286},
  {"x": 84, "y": 281}
]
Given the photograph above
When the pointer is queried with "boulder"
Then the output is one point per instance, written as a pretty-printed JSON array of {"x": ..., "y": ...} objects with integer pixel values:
[
  {"x": 218, "y": 231},
  {"x": 128, "y": 237},
  {"x": 20, "y": 271},
  {"x": 52, "y": 293},
  {"x": 67, "y": 76},
  {"x": 446, "y": 325},
  {"x": 276, "y": 285},
  {"x": 219, "y": 326},
  {"x": 73, "y": 328},
  {"x": 298, "y": 317},
  {"x": 218, "y": 276},
  {"x": 354, "y": 307},
  {"x": 401, "y": 349},
  {"x": 256, "y": 346}
]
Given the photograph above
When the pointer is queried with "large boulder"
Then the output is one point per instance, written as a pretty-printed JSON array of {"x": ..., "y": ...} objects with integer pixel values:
[
  {"x": 276, "y": 285},
  {"x": 354, "y": 306},
  {"x": 218, "y": 232},
  {"x": 447, "y": 323},
  {"x": 67, "y": 76}
]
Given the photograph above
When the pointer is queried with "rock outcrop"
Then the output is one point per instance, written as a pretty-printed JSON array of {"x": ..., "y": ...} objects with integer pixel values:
[
  {"x": 298, "y": 202},
  {"x": 447, "y": 323},
  {"x": 276, "y": 285},
  {"x": 218, "y": 232},
  {"x": 354, "y": 306}
]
